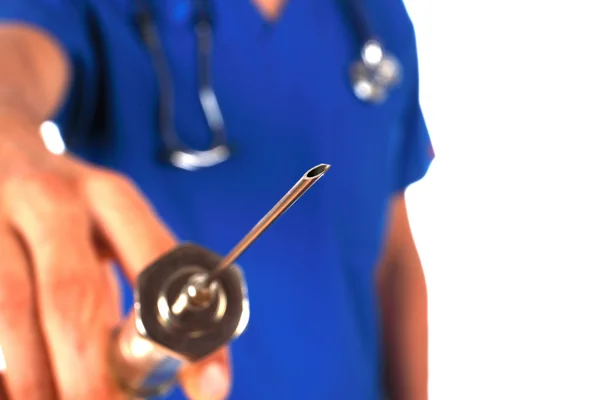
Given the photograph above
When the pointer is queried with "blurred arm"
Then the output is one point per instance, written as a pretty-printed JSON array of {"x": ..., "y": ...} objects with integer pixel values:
[{"x": 403, "y": 297}]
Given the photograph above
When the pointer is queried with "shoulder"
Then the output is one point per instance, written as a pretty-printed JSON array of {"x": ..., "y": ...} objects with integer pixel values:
[
  {"x": 389, "y": 18},
  {"x": 392, "y": 24}
]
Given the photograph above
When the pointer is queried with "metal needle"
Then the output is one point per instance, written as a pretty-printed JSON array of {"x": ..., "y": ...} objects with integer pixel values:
[
  {"x": 301, "y": 187},
  {"x": 198, "y": 289}
]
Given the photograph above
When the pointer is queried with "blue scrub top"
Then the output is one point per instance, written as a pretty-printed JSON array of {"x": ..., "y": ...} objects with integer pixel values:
[{"x": 287, "y": 103}]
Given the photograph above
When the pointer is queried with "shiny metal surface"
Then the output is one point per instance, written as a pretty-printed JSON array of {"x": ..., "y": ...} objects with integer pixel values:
[
  {"x": 158, "y": 337},
  {"x": 142, "y": 368},
  {"x": 375, "y": 74}
]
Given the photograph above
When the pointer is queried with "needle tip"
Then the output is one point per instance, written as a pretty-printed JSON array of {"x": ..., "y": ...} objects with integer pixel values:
[{"x": 317, "y": 171}]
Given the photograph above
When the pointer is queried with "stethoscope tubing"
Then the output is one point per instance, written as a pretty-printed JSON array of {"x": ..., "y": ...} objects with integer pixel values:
[{"x": 371, "y": 78}]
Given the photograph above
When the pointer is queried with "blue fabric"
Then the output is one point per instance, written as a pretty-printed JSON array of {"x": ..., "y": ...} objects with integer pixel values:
[{"x": 284, "y": 91}]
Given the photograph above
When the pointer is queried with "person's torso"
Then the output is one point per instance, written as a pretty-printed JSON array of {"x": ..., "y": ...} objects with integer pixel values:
[{"x": 287, "y": 103}]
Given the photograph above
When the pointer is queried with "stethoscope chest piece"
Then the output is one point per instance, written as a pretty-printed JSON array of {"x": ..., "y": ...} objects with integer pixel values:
[{"x": 375, "y": 73}]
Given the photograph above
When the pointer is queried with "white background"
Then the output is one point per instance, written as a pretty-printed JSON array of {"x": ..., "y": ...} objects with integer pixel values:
[{"x": 508, "y": 221}]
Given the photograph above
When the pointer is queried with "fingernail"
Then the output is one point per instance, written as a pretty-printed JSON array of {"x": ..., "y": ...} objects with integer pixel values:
[{"x": 214, "y": 382}]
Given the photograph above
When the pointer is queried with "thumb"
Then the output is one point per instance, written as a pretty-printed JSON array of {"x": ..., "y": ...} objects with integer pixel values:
[{"x": 208, "y": 379}]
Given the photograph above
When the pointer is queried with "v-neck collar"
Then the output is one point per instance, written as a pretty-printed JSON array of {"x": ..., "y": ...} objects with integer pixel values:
[
  {"x": 271, "y": 20},
  {"x": 257, "y": 20}
]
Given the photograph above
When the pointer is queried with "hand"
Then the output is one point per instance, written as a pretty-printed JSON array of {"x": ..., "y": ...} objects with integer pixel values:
[{"x": 62, "y": 223}]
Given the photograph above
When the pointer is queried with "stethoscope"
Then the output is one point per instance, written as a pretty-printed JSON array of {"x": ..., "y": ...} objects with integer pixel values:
[{"x": 372, "y": 76}]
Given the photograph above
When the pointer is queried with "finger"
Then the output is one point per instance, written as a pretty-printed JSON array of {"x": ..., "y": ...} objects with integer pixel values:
[
  {"x": 71, "y": 285},
  {"x": 208, "y": 379},
  {"x": 128, "y": 222},
  {"x": 27, "y": 374}
]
